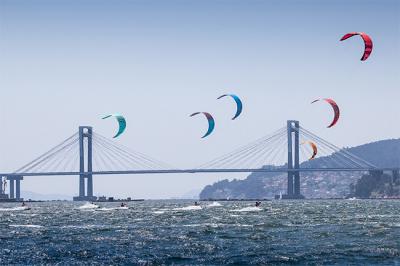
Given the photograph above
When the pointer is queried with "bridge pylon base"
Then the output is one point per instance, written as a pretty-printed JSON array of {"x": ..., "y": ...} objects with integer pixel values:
[
  {"x": 85, "y": 198},
  {"x": 293, "y": 197},
  {"x": 4, "y": 196}
]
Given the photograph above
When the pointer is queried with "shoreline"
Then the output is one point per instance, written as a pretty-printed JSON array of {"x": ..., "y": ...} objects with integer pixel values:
[{"x": 202, "y": 200}]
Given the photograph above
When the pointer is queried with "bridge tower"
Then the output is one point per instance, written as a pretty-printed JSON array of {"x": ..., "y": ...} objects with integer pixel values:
[
  {"x": 85, "y": 164},
  {"x": 293, "y": 184}
]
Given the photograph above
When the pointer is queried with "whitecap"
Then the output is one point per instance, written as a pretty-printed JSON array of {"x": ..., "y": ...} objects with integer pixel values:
[
  {"x": 353, "y": 198},
  {"x": 249, "y": 209},
  {"x": 188, "y": 208},
  {"x": 26, "y": 225},
  {"x": 86, "y": 226},
  {"x": 214, "y": 204},
  {"x": 112, "y": 209},
  {"x": 89, "y": 206},
  {"x": 21, "y": 208},
  {"x": 244, "y": 225},
  {"x": 214, "y": 225},
  {"x": 106, "y": 209}
]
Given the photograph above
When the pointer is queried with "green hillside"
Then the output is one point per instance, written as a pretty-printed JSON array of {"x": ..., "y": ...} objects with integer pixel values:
[{"x": 384, "y": 153}]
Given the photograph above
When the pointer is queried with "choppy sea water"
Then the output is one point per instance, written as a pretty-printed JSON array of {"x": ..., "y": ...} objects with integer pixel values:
[{"x": 359, "y": 232}]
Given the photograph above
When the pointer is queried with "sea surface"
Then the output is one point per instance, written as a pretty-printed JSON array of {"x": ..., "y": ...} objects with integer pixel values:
[{"x": 342, "y": 232}]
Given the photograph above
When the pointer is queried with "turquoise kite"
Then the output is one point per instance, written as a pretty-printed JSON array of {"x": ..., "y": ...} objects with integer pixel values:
[
  {"x": 121, "y": 122},
  {"x": 211, "y": 122},
  {"x": 239, "y": 105}
]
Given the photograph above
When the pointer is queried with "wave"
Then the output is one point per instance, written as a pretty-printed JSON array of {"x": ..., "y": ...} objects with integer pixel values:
[
  {"x": 88, "y": 206},
  {"x": 25, "y": 208},
  {"x": 26, "y": 225},
  {"x": 215, "y": 225},
  {"x": 85, "y": 226},
  {"x": 214, "y": 204},
  {"x": 188, "y": 208},
  {"x": 249, "y": 209},
  {"x": 352, "y": 198},
  {"x": 113, "y": 209},
  {"x": 204, "y": 224}
]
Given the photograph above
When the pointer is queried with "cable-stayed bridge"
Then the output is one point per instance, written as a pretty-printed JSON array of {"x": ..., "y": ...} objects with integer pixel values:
[{"x": 87, "y": 153}]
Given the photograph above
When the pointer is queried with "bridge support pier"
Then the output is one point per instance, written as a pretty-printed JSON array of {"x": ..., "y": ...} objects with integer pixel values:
[
  {"x": 3, "y": 195},
  {"x": 293, "y": 186},
  {"x": 395, "y": 176},
  {"x": 376, "y": 173},
  {"x": 85, "y": 193},
  {"x": 15, "y": 187},
  {"x": 12, "y": 192}
]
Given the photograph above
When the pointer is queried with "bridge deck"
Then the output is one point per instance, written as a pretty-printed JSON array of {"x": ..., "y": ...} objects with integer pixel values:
[{"x": 193, "y": 171}]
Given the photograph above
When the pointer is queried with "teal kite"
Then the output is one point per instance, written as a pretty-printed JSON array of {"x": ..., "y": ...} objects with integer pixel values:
[
  {"x": 121, "y": 122},
  {"x": 211, "y": 122},
  {"x": 239, "y": 105}
]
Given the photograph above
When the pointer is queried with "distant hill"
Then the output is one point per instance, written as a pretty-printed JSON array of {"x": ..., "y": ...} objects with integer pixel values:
[
  {"x": 384, "y": 153},
  {"x": 376, "y": 185}
]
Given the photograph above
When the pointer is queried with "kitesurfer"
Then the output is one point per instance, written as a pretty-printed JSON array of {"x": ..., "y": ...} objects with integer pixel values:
[
  {"x": 258, "y": 203},
  {"x": 196, "y": 203}
]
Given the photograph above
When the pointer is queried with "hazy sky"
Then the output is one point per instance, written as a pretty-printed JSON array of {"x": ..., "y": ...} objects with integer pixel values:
[{"x": 66, "y": 63}]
